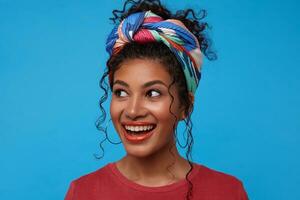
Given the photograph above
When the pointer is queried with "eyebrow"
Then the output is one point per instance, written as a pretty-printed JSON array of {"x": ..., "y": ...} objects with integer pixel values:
[{"x": 148, "y": 84}]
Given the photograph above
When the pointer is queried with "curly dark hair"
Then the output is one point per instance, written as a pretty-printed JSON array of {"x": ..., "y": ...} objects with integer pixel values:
[{"x": 160, "y": 52}]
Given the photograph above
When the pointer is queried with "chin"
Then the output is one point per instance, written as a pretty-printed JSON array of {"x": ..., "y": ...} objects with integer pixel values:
[{"x": 139, "y": 152}]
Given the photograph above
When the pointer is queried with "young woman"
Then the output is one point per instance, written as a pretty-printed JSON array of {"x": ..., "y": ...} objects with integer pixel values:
[{"x": 153, "y": 72}]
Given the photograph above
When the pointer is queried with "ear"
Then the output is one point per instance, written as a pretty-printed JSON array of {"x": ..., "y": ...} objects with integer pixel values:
[{"x": 186, "y": 111}]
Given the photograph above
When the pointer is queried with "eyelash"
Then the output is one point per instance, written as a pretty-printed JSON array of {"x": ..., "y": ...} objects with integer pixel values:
[
  {"x": 118, "y": 91},
  {"x": 149, "y": 92}
]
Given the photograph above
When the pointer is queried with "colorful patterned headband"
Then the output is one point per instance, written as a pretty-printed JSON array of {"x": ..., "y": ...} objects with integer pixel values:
[{"x": 146, "y": 27}]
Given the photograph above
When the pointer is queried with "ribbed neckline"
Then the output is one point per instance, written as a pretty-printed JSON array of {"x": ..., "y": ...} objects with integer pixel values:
[{"x": 113, "y": 167}]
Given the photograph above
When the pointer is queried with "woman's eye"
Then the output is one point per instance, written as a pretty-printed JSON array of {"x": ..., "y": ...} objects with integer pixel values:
[
  {"x": 120, "y": 93},
  {"x": 153, "y": 93}
]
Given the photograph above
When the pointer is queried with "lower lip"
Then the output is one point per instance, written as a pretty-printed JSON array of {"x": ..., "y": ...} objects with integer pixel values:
[{"x": 137, "y": 138}]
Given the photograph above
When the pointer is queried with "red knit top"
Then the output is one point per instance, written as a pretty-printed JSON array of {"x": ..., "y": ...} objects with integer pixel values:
[{"x": 108, "y": 183}]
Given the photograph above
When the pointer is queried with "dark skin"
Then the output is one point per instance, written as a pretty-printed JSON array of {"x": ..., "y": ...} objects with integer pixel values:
[{"x": 140, "y": 94}]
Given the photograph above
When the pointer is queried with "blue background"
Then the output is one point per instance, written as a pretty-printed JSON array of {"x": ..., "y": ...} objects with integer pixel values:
[{"x": 246, "y": 118}]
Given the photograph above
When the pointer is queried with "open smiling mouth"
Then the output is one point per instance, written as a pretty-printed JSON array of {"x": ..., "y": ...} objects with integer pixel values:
[{"x": 138, "y": 133}]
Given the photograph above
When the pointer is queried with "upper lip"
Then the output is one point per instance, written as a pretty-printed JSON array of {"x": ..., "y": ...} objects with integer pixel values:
[{"x": 137, "y": 124}]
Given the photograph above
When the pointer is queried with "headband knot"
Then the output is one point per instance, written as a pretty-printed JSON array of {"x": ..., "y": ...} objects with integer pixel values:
[{"x": 144, "y": 27}]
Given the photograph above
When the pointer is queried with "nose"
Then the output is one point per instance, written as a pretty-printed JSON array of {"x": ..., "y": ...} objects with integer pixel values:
[{"x": 135, "y": 108}]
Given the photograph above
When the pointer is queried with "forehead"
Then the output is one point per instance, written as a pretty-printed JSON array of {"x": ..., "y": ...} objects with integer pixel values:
[{"x": 141, "y": 71}]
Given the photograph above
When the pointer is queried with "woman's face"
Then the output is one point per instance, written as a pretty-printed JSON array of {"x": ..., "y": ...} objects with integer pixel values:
[{"x": 140, "y": 107}]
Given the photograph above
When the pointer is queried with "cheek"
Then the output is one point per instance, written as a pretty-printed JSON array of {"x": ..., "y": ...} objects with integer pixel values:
[
  {"x": 115, "y": 111},
  {"x": 162, "y": 112}
]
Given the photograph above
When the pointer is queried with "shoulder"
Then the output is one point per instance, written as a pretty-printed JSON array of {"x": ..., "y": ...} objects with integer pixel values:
[
  {"x": 89, "y": 185},
  {"x": 212, "y": 180},
  {"x": 93, "y": 177},
  {"x": 213, "y": 175}
]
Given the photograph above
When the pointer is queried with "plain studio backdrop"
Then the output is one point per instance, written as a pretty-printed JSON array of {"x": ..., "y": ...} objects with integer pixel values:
[{"x": 246, "y": 117}]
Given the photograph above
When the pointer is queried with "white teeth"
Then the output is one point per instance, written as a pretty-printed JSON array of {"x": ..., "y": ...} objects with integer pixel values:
[{"x": 138, "y": 128}]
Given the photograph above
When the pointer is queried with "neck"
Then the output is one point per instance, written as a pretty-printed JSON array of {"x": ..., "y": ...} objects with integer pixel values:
[{"x": 160, "y": 168}]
